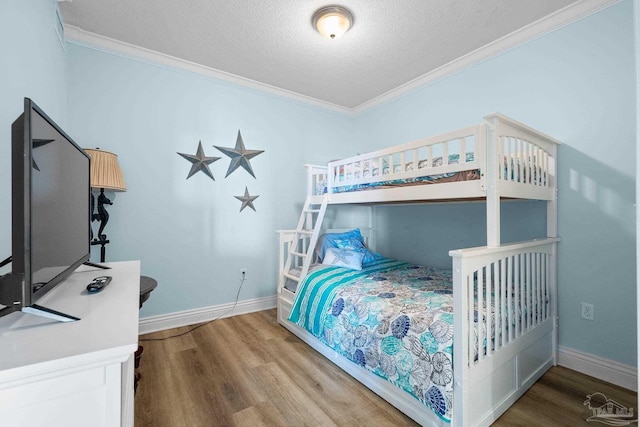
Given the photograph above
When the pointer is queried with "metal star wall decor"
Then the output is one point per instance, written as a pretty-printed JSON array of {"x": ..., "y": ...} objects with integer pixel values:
[
  {"x": 240, "y": 156},
  {"x": 200, "y": 162},
  {"x": 246, "y": 200}
]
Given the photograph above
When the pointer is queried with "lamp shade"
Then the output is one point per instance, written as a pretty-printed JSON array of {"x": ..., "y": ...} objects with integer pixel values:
[{"x": 105, "y": 171}]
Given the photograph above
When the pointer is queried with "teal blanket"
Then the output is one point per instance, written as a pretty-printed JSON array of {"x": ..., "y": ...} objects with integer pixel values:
[{"x": 392, "y": 318}]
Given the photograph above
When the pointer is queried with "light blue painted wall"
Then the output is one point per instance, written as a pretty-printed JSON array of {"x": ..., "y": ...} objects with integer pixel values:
[
  {"x": 190, "y": 234},
  {"x": 449, "y": 226},
  {"x": 578, "y": 85},
  {"x": 33, "y": 65}
]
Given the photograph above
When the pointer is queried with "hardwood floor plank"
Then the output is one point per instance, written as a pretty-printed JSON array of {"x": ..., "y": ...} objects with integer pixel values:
[
  {"x": 290, "y": 400},
  {"x": 334, "y": 391},
  {"x": 557, "y": 400},
  {"x": 248, "y": 371},
  {"x": 161, "y": 380},
  {"x": 203, "y": 402},
  {"x": 230, "y": 361},
  {"x": 262, "y": 415}
]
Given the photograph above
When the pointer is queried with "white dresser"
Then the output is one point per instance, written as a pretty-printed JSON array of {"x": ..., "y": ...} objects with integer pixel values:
[{"x": 77, "y": 373}]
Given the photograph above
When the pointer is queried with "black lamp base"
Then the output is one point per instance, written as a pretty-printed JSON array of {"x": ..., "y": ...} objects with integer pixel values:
[
  {"x": 102, "y": 243},
  {"x": 102, "y": 216}
]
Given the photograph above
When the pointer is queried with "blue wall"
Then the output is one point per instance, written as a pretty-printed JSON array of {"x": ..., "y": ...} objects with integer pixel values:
[
  {"x": 34, "y": 66},
  {"x": 190, "y": 234},
  {"x": 578, "y": 85}
]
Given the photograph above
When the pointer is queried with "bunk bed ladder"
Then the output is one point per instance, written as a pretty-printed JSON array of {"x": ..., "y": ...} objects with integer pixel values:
[{"x": 301, "y": 249}]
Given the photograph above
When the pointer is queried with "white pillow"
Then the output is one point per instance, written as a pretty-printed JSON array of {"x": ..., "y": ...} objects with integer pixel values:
[{"x": 343, "y": 258}]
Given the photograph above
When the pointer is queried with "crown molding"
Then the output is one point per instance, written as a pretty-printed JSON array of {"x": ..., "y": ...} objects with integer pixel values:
[
  {"x": 562, "y": 17},
  {"x": 76, "y": 35}
]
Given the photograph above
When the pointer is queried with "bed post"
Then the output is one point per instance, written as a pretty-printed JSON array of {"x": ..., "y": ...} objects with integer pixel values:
[
  {"x": 460, "y": 349},
  {"x": 310, "y": 183},
  {"x": 372, "y": 228},
  {"x": 552, "y": 231},
  {"x": 490, "y": 134}
]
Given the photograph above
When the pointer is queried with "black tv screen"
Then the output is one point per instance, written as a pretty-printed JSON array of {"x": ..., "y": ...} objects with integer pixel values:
[{"x": 50, "y": 208}]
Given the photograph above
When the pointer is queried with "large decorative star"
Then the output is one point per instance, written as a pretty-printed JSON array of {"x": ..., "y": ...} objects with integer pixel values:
[
  {"x": 200, "y": 162},
  {"x": 240, "y": 156},
  {"x": 246, "y": 200}
]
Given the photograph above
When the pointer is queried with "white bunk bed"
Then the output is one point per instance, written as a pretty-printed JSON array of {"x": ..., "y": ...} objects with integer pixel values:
[{"x": 497, "y": 159}]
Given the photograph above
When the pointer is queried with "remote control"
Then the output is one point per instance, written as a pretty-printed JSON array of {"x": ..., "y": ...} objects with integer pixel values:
[{"x": 98, "y": 284}]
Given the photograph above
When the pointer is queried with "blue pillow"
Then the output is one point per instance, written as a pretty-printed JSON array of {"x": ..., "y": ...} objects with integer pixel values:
[
  {"x": 343, "y": 258},
  {"x": 350, "y": 240},
  {"x": 358, "y": 246},
  {"x": 328, "y": 240}
]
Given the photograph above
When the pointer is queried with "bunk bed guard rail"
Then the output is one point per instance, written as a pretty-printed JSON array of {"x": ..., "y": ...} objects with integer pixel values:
[
  {"x": 512, "y": 160},
  {"x": 449, "y": 153},
  {"x": 506, "y": 294}
]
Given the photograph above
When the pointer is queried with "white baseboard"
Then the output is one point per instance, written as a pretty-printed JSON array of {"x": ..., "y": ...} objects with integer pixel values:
[
  {"x": 205, "y": 314},
  {"x": 604, "y": 369}
]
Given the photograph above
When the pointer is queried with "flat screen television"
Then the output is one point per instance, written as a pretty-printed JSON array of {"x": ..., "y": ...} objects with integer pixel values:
[{"x": 50, "y": 195}]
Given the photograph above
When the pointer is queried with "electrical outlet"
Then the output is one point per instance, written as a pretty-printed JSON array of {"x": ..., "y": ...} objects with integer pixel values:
[
  {"x": 243, "y": 273},
  {"x": 587, "y": 311}
]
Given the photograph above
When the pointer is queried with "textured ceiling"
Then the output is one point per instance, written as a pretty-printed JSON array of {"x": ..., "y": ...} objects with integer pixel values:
[{"x": 272, "y": 42}]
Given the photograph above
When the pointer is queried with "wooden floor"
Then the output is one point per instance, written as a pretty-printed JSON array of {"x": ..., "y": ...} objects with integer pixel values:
[{"x": 249, "y": 371}]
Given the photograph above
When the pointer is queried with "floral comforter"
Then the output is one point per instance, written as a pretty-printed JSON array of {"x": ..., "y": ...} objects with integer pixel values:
[{"x": 392, "y": 318}]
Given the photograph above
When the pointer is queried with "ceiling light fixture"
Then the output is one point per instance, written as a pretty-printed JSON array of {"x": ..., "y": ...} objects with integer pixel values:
[{"x": 332, "y": 21}]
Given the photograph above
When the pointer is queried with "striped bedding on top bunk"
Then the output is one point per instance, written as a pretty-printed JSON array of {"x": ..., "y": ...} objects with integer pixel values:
[
  {"x": 430, "y": 179},
  {"x": 393, "y": 318},
  {"x": 517, "y": 170},
  {"x": 370, "y": 169}
]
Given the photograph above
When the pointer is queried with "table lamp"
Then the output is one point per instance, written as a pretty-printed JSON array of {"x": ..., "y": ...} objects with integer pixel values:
[{"x": 105, "y": 174}]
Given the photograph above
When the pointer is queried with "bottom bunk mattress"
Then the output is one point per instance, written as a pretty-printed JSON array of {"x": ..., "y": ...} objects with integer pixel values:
[{"x": 393, "y": 318}]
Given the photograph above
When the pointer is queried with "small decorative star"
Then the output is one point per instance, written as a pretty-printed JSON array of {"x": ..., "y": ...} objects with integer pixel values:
[
  {"x": 240, "y": 156},
  {"x": 200, "y": 162},
  {"x": 246, "y": 200}
]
